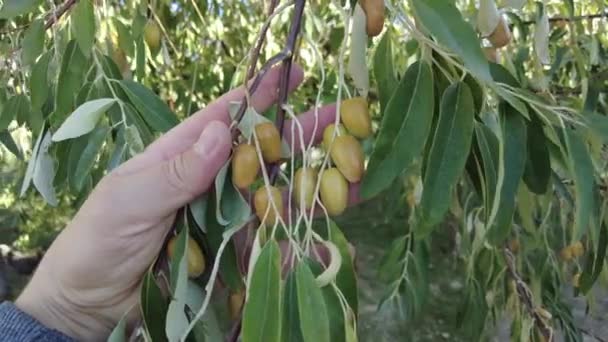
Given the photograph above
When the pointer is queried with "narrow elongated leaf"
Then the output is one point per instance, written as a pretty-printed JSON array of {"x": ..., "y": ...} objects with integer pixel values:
[
  {"x": 153, "y": 308},
  {"x": 444, "y": 21},
  {"x": 311, "y": 306},
  {"x": 357, "y": 64},
  {"x": 88, "y": 157},
  {"x": 177, "y": 321},
  {"x": 125, "y": 38},
  {"x": 404, "y": 131},
  {"x": 155, "y": 112},
  {"x": 262, "y": 312},
  {"x": 581, "y": 167},
  {"x": 291, "y": 331},
  {"x": 83, "y": 120},
  {"x": 488, "y": 149},
  {"x": 447, "y": 157},
  {"x": 39, "y": 87},
  {"x": 44, "y": 171},
  {"x": 384, "y": 70},
  {"x": 514, "y": 161},
  {"x": 346, "y": 279},
  {"x": 13, "y": 8},
  {"x": 119, "y": 334},
  {"x": 7, "y": 140},
  {"x": 31, "y": 165},
  {"x": 83, "y": 25},
  {"x": 538, "y": 164},
  {"x": 17, "y": 106},
  {"x": 229, "y": 267},
  {"x": 33, "y": 42},
  {"x": 71, "y": 75},
  {"x": 595, "y": 262}
]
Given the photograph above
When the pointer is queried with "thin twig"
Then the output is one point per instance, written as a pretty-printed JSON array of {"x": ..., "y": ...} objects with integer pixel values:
[
  {"x": 286, "y": 73},
  {"x": 575, "y": 18},
  {"x": 52, "y": 18},
  {"x": 525, "y": 296},
  {"x": 255, "y": 55}
]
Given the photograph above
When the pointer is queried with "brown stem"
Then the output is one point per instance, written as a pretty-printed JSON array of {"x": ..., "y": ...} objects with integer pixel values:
[
  {"x": 52, "y": 18},
  {"x": 575, "y": 18},
  {"x": 286, "y": 73},
  {"x": 525, "y": 296},
  {"x": 255, "y": 55}
]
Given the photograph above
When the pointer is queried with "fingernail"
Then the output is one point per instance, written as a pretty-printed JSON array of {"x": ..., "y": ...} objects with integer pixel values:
[{"x": 213, "y": 139}]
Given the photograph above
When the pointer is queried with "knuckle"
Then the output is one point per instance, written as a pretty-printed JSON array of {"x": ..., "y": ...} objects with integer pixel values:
[{"x": 175, "y": 172}]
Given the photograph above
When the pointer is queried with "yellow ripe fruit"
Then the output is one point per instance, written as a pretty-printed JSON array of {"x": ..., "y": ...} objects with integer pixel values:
[
  {"x": 501, "y": 35},
  {"x": 374, "y": 11},
  {"x": 120, "y": 59},
  {"x": 245, "y": 166},
  {"x": 152, "y": 36},
  {"x": 262, "y": 205},
  {"x": 566, "y": 253},
  {"x": 347, "y": 154},
  {"x": 355, "y": 117},
  {"x": 334, "y": 191},
  {"x": 196, "y": 258},
  {"x": 577, "y": 249},
  {"x": 304, "y": 187},
  {"x": 236, "y": 300},
  {"x": 270, "y": 141},
  {"x": 328, "y": 134},
  {"x": 491, "y": 54},
  {"x": 576, "y": 280}
]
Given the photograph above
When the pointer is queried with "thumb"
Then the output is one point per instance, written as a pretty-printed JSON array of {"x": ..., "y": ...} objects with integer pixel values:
[{"x": 160, "y": 189}]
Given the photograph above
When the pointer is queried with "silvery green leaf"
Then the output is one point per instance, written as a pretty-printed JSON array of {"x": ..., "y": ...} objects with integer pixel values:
[
  {"x": 31, "y": 165},
  {"x": 134, "y": 141},
  {"x": 83, "y": 119},
  {"x": 357, "y": 64},
  {"x": 488, "y": 17},
  {"x": 541, "y": 37},
  {"x": 44, "y": 172}
]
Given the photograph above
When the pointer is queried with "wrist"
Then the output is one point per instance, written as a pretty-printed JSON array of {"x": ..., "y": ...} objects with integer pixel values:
[{"x": 54, "y": 312}]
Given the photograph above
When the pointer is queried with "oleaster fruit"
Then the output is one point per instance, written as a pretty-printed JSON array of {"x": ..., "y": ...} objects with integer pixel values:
[
  {"x": 354, "y": 114},
  {"x": 566, "y": 253},
  {"x": 374, "y": 12},
  {"x": 196, "y": 258},
  {"x": 347, "y": 154},
  {"x": 270, "y": 141},
  {"x": 491, "y": 54},
  {"x": 501, "y": 36},
  {"x": 328, "y": 134},
  {"x": 152, "y": 36},
  {"x": 245, "y": 166},
  {"x": 334, "y": 191},
  {"x": 263, "y": 208},
  {"x": 577, "y": 249},
  {"x": 305, "y": 182},
  {"x": 120, "y": 59},
  {"x": 235, "y": 303}
]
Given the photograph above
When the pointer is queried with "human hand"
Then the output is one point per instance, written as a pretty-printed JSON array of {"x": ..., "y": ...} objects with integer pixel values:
[{"x": 92, "y": 273}]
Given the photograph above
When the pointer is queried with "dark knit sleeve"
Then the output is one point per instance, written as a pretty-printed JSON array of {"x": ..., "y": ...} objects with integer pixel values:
[{"x": 16, "y": 325}]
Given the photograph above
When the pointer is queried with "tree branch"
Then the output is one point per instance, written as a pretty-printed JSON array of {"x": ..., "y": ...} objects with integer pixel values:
[
  {"x": 255, "y": 55},
  {"x": 286, "y": 73},
  {"x": 568, "y": 19},
  {"x": 525, "y": 296},
  {"x": 52, "y": 18}
]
